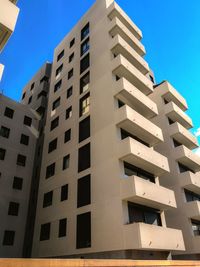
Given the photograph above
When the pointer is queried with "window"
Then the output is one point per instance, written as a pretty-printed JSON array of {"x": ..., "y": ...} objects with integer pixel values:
[
  {"x": 66, "y": 160},
  {"x": 58, "y": 71},
  {"x": 56, "y": 103},
  {"x": 32, "y": 86},
  {"x": 68, "y": 113},
  {"x": 52, "y": 145},
  {"x": 84, "y": 129},
  {"x": 84, "y": 105},
  {"x": 85, "y": 31},
  {"x": 54, "y": 123},
  {"x": 4, "y": 132},
  {"x": 2, "y": 153},
  {"x": 42, "y": 93},
  {"x": 69, "y": 92},
  {"x": 9, "y": 237},
  {"x": 196, "y": 227},
  {"x": 84, "y": 83},
  {"x": 191, "y": 196},
  {"x": 70, "y": 73},
  {"x": 57, "y": 86},
  {"x": 170, "y": 121},
  {"x": 83, "y": 230},
  {"x": 9, "y": 112},
  {"x": 139, "y": 213},
  {"x": 24, "y": 139},
  {"x": 64, "y": 192},
  {"x": 50, "y": 170},
  {"x": 72, "y": 42},
  {"x": 27, "y": 121},
  {"x": 45, "y": 231},
  {"x": 85, "y": 63},
  {"x": 84, "y": 158},
  {"x": 60, "y": 55},
  {"x": 83, "y": 189},
  {"x": 47, "y": 200},
  {"x": 30, "y": 100},
  {"x": 21, "y": 160},
  {"x": 176, "y": 143},
  {"x": 17, "y": 183},
  {"x": 44, "y": 79},
  {"x": 120, "y": 104},
  {"x": 131, "y": 170},
  {"x": 71, "y": 57},
  {"x": 13, "y": 209},
  {"x": 85, "y": 46},
  {"x": 23, "y": 96},
  {"x": 125, "y": 134},
  {"x": 67, "y": 136},
  {"x": 183, "y": 168},
  {"x": 62, "y": 227}
]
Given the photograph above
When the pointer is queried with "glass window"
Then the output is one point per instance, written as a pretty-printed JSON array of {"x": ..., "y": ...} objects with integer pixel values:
[
  {"x": 64, "y": 193},
  {"x": 84, "y": 105},
  {"x": 2, "y": 153},
  {"x": 85, "y": 31},
  {"x": 84, "y": 83},
  {"x": 71, "y": 57},
  {"x": 4, "y": 132},
  {"x": 21, "y": 160},
  {"x": 27, "y": 121},
  {"x": 48, "y": 198},
  {"x": 54, "y": 123},
  {"x": 60, "y": 55},
  {"x": 85, "y": 46},
  {"x": 56, "y": 103},
  {"x": 70, "y": 73},
  {"x": 45, "y": 231},
  {"x": 84, "y": 194},
  {"x": 62, "y": 227},
  {"x": 17, "y": 183},
  {"x": 66, "y": 160},
  {"x": 85, "y": 63},
  {"x": 84, "y": 129},
  {"x": 30, "y": 100},
  {"x": 9, "y": 112},
  {"x": 84, "y": 157},
  {"x": 68, "y": 113},
  {"x": 131, "y": 170},
  {"x": 67, "y": 136},
  {"x": 9, "y": 237},
  {"x": 58, "y": 71},
  {"x": 24, "y": 139},
  {"x": 196, "y": 227},
  {"x": 50, "y": 170},
  {"x": 69, "y": 92},
  {"x": 52, "y": 145},
  {"x": 72, "y": 42},
  {"x": 57, "y": 86},
  {"x": 13, "y": 209},
  {"x": 83, "y": 230}
]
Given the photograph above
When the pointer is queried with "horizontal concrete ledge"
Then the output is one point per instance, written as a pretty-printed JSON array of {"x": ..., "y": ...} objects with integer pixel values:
[{"x": 91, "y": 263}]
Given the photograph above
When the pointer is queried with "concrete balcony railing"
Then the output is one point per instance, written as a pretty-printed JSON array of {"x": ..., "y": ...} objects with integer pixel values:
[
  {"x": 8, "y": 18},
  {"x": 190, "y": 181},
  {"x": 173, "y": 112},
  {"x": 169, "y": 93},
  {"x": 114, "y": 11},
  {"x": 186, "y": 157},
  {"x": 141, "y": 191},
  {"x": 183, "y": 136},
  {"x": 117, "y": 27},
  {"x": 143, "y": 157},
  {"x": 123, "y": 68},
  {"x": 130, "y": 95},
  {"x": 119, "y": 46},
  {"x": 192, "y": 210},
  {"x": 152, "y": 237},
  {"x": 131, "y": 121}
]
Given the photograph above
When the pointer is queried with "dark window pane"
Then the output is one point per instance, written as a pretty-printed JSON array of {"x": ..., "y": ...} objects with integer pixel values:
[
  {"x": 83, "y": 230},
  {"x": 84, "y": 158},
  {"x": 52, "y": 145},
  {"x": 50, "y": 170},
  {"x": 196, "y": 227},
  {"x": 62, "y": 227},
  {"x": 48, "y": 198},
  {"x": 60, "y": 55},
  {"x": 17, "y": 183},
  {"x": 24, "y": 139},
  {"x": 69, "y": 92},
  {"x": 70, "y": 73},
  {"x": 54, "y": 123},
  {"x": 131, "y": 170},
  {"x": 68, "y": 113},
  {"x": 30, "y": 100},
  {"x": 2, "y": 153},
  {"x": 21, "y": 160},
  {"x": 58, "y": 71},
  {"x": 57, "y": 86},
  {"x": 44, "y": 79},
  {"x": 67, "y": 135},
  {"x": 85, "y": 46},
  {"x": 42, "y": 93},
  {"x": 4, "y": 132},
  {"x": 183, "y": 168},
  {"x": 85, "y": 63},
  {"x": 64, "y": 192},
  {"x": 84, "y": 105},
  {"x": 27, "y": 121},
  {"x": 9, "y": 237},
  {"x": 32, "y": 86},
  {"x": 66, "y": 160},
  {"x": 13, "y": 208},
  {"x": 84, "y": 194},
  {"x": 84, "y": 83},
  {"x": 56, "y": 103},
  {"x": 72, "y": 42},
  {"x": 85, "y": 31},
  {"x": 191, "y": 196},
  {"x": 84, "y": 129},
  {"x": 9, "y": 112},
  {"x": 45, "y": 231},
  {"x": 71, "y": 57}
]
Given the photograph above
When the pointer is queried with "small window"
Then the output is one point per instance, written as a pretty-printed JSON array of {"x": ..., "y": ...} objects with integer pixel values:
[
  {"x": 68, "y": 113},
  {"x": 84, "y": 158},
  {"x": 196, "y": 227},
  {"x": 23, "y": 96},
  {"x": 42, "y": 93},
  {"x": 170, "y": 121},
  {"x": 2, "y": 153},
  {"x": 71, "y": 57},
  {"x": 56, "y": 103},
  {"x": 13, "y": 209},
  {"x": 27, "y": 121},
  {"x": 84, "y": 105},
  {"x": 183, "y": 168},
  {"x": 72, "y": 42},
  {"x": 24, "y": 139},
  {"x": 44, "y": 79},
  {"x": 83, "y": 189},
  {"x": 21, "y": 160},
  {"x": 69, "y": 92},
  {"x": 85, "y": 46},
  {"x": 58, "y": 71},
  {"x": 57, "y": 86},
  {"x": 67, "y": 136},
  {"x": 9, "y": 112},
  {"x": 9, "y": 237},
  {"x": 84, "y": 129},
  {"x": 30, "y": 99},
  {"x": 4, "y": 132},
  {"x": 84, "y": 83},
  {"x": 60, "y": 55},
  {"x": 131, "y": 170},
  {"x": 17, "y": 183},
  {"x": 52, "y": 145},
  {"x": 64, "y": 193},
  {"x": 70, "y": 73},
  {"x": 85, "y": 63},
  {"x": 66, "y": 160},
  {"x": 45, "y": 231},
  {"x": 48, "y": 198},
  {"x": 191, "y": 196},
  {"x": 54, "y": 123},
  {"x": 32, "y": 86},
  {"x": 83, "y": 230},
  {"x": 176, "y": 143},
  {"x": 62, "y": 227},
  {"x": 50, "y": 170},
  {"x": 85, "y": 31}
]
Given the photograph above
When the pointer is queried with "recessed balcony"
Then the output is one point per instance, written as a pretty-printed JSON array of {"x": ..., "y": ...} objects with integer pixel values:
[
  {"x": 131, "y": 121},
  {"x": 152, "y": 237},
  {"x": 192, "y": 210},
  {"x": 183, "y": 136},
  {"x": 141, "y": 191},
  {"x": 173, "y": 112},
  {"x": 117, "y": 27},
  {"x": 143, "y": 157},
  {"x": 190, "y": 181},
  {"x": 123, "y": 68}
]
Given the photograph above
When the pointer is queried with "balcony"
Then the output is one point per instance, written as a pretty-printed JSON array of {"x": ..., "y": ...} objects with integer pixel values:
[
  {"x": 119, "y": 46},
  {"x": 143, "y": 157},
  {"x": 190, "y": 181},
  {"x": 8, "y": 18},
  {"x": 123, "y": 68},
  {"x": 173, "y": 112},
  {"x": 152, "y": 237},
  {"x": 168, "y": 92},
  {"x": 183, "y": 136},
  {"x": 192, "y": 210},
  {"x": 115, "y": 11},
  {"x": 186, "y": 157},
  {"x": 131, "y": 121},
  {"x": 130, "y": 95},
  {"x": 141, "y": 191},
  {"x": 117, "y": 27}
]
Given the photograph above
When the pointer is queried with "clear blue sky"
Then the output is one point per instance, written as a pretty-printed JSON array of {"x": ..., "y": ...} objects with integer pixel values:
[{"x": 171, "y": 30}]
